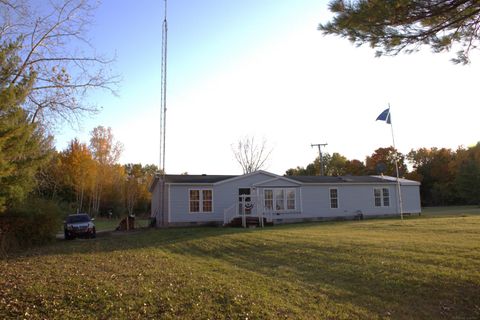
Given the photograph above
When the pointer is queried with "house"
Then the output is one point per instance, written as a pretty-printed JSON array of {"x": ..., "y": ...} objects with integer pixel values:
[{"x": 219, "y": 199}]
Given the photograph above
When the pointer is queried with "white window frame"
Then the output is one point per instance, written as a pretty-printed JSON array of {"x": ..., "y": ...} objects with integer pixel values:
[
  {"x": 382, "y": 196},
  {"x": 287, "y": 191},
  {"x": 331, "y": 198},
  {"x": 279, "y": 201},
  {"x": 284, "y": 200},
  {"x": 270, "y": 200},
  {"x": 386, "y": 197},
  {"x": 201, "y": 200}
]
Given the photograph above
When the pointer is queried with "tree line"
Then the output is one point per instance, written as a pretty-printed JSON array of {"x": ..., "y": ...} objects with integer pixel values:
[
  {"x": 447, "y": 177},
  {"x": 47, "y": 69},
  {"x": 89, "y": 178}
]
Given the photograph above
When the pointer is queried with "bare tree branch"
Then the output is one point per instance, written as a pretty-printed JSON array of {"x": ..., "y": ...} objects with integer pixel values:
[
  {"x": 250, "y": 155},
  {"x": 53, "y": 46}
]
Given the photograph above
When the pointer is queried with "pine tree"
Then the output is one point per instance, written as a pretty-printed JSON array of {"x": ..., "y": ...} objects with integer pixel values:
[
  {"x": 405, "y": 25},
  {"x": 23, "y": 146}
]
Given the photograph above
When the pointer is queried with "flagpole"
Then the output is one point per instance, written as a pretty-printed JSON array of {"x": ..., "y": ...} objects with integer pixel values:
[{"x": 399, "y": 191}]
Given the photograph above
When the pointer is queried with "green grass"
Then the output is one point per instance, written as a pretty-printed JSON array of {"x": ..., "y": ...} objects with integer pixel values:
[
  {"x": 102, "y": 224},
  {"x": 451, "y": 211},
  {"x": 421, "y": 268}
]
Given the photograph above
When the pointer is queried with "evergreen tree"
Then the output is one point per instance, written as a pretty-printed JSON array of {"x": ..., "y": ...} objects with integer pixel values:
[
  {"x": 23, "y": 147},
  {"x": 405, "y": 25}
]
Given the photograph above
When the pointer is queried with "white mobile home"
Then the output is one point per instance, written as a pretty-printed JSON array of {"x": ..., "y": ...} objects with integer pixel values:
[{"x": 179, "y": 200}]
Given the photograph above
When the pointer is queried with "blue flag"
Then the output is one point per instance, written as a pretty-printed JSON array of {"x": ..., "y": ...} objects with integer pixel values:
[{"x": 385, "y": 116}]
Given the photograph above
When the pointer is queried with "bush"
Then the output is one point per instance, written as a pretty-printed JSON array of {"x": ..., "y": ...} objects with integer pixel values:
[{"x": 34, "y": 222}]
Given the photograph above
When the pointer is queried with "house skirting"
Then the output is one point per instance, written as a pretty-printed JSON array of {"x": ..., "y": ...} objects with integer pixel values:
[{"x": 196, "y": 224}]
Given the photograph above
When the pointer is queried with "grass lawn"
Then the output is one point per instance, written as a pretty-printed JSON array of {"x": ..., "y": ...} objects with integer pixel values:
[
  {"x": 452, "y": 210},
  {"x": 421, "y": 268},
  {"x": 102, "y": 224}
]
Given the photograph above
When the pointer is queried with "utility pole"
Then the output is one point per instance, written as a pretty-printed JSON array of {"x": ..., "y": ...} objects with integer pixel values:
[{"x": 320, "y": 145}]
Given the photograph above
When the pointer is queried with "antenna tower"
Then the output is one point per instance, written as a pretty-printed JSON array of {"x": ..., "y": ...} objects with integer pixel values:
[{"x": 163, "y": 94}]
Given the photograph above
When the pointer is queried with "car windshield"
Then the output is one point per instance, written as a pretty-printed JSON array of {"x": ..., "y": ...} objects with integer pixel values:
[{"x": 78, "y": 218}]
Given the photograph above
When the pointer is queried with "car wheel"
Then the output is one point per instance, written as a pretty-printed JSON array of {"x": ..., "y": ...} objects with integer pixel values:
[
  {"x": 67, "y": 236},
  {"x": 94, "y": 233}
]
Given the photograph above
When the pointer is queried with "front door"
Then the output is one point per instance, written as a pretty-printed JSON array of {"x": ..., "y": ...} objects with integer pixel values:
[{"x": 244, "y": 201}]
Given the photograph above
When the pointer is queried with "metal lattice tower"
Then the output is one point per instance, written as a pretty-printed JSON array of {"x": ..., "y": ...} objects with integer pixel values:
[
  {"x": 161, "y": 215},
  {"x": 163, "y": 94}
]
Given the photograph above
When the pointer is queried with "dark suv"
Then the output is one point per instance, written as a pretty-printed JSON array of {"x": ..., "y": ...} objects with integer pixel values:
[{"x": 79, "y": 225}]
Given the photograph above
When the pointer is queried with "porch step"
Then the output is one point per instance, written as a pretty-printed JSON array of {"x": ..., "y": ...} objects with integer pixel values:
[{"x": 250, "y": 222}]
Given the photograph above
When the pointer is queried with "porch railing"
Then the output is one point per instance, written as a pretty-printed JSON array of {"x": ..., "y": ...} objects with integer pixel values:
[{"x": 229, "y": 213}]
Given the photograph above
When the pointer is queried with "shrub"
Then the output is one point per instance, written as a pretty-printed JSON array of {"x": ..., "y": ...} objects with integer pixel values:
[{"x": 34, "y": 222}]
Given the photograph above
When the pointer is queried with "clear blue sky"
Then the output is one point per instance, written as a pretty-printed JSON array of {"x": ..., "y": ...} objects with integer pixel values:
[{"x": 261, "y": 68}]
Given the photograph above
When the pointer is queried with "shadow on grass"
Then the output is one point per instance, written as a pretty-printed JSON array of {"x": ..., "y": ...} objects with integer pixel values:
[{"x": 364, "y": 275}]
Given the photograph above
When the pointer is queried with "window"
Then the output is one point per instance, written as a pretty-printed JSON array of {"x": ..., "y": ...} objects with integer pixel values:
[
  {"x": 207, "y": 200},
  {"x": 378, "y": 197},
  {"x": 268, "y": 193},
  {"x": 333, "y": 198},
  {"x": 194, "y": 200},
  {"x": 279, "y": 199},
  {"x": 290, "y": 199},
  {"x": 201, "y": 200},
  {"x": 382, "y": 197},
  {"x": 386, "y": 197}
]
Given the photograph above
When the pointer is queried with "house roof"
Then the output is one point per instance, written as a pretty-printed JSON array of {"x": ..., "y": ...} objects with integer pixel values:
[
  {"x": 201, "y": 178},
  {"x": 213, "y": 179},
  {"x": 340, "y": 179}
]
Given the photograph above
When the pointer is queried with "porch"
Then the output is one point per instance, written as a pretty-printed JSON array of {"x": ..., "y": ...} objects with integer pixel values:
[{"x": 251, "y": 210}]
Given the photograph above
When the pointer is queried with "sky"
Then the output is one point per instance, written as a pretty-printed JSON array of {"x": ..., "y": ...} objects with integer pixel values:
[{"x": 261, "y": 68}]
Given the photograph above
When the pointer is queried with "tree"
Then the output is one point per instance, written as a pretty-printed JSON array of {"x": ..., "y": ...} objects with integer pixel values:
[
  {"x": 138, "y": 179},
  {"x": 79, "y": 169},
  {"x": 106, "y": 151},
  {"x": 310, "y": 170},
  {"x": 250, "y": 155},
  {"x": 434, "y": 169},
  {"x": 53, "y": 45},
  {"x": 335, "y": 165},
  {"x": 405, "y": 25},
  {"x": 133, "y": 185},
  {"x": 23, "y": 146},
  {"x": 355, "y": 167},
  {"x": 383, "y": 161},
  {"x": 468, "y": 174}
]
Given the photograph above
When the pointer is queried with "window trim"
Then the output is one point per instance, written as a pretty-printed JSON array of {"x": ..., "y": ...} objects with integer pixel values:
[
  {"x": 388, "y": 197},
  {"x": 284, "y": 200},
  {"x": 271, "y": 200},
  {"x": 294, "y": 199},
  {"x": 200, "y": 200},
  {"x": 381, "y": 197},
  {"x": 281, "y": 201},
  {"x": 331, "y": 198}
]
